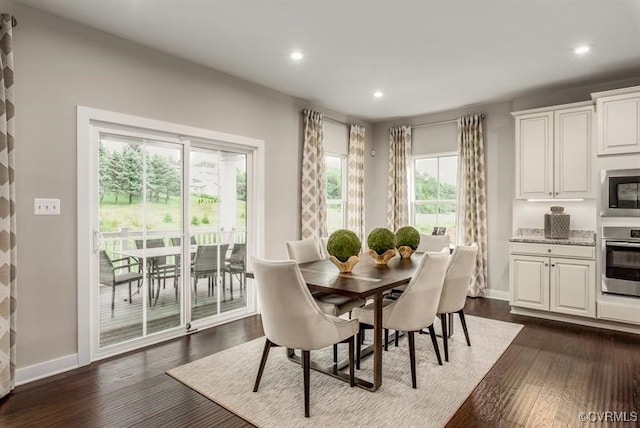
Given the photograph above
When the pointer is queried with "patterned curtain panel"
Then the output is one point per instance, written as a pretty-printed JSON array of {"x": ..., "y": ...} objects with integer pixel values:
[
  {"x": 473, "y": 196},
  {"x": 399, "y": 158},
  {"x": 355, "y": 181},
  {"x": 7, "y": 213},
  {"x": 313, "y": 212}
]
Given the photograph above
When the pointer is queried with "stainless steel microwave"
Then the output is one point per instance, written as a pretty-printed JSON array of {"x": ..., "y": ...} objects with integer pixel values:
[{"x": 620, "y": 193}]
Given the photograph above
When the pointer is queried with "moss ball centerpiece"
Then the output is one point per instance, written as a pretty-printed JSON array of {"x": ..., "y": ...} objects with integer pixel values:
[
  {"x": 382, "y": 245},
  {"x": 407, "y": 239},
  {"x": 343, "y": 247}
]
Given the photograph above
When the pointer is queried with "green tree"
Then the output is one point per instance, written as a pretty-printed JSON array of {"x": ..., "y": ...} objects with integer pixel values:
[
  {"x": 115, "y": 175},
  {"x": 132, "y": 181},
  {"x": 334, "y": 183},
  {"x": 241, "y": 185},
  {"x": 103, "y": 172}
]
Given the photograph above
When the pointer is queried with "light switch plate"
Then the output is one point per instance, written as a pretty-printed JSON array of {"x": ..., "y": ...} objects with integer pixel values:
[{"x": 46, "y": 206}]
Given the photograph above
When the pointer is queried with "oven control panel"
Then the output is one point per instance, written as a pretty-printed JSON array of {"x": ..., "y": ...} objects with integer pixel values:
[{"x": 634, "y": 233}]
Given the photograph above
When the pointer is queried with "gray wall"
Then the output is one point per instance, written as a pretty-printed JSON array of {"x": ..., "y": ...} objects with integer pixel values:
[{"x": 60, "y": 65}]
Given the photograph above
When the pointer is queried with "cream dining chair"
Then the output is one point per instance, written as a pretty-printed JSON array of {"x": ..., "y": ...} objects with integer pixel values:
[
  {"x": 415, "y": 309},
  {"x": 454, "y": 291},
  {"x": 433, "y": 243},
  {"x": 292, "y": 319},
  {"x": 309, "y": 250}
]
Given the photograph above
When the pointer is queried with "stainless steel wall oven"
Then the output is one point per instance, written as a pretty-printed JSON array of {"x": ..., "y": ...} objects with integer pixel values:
[{"x": 621, "y": 260}]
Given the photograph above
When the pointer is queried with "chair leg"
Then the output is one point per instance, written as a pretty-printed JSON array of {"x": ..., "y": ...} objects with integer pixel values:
[
  {"x": 335, "y": 353},
  {"x": 113, "y": 298},
  {"x": 195, "y": 290},
  {"x": 263, "y": 362},
  {"x": 386, "y": 339},
  {"x": 464, "y": 326},
  {"x": 306, "y": 368},
  {"x": 432, "y": 333},
  {"x": 412, "y": 358},
  {"x": 443, "y": 320},
  {"x": 352, "y": 371},
  {"x": 359, "y": 347},
  {"x": 129, "y": 292},
  {"x": 397, "y": 337}
]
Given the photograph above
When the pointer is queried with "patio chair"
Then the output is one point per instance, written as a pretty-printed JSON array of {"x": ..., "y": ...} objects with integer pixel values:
[
  {"x": 236, "y": 265},
  {"x": 159, "y": 269},
  {"x": 208, "y": 262},
  {"x": 109, "y": 277}
]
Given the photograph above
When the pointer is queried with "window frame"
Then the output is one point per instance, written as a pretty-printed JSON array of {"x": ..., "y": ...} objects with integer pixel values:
[
  {"x": 344, "y": 201},
  {"x": 413, "y": 203}
]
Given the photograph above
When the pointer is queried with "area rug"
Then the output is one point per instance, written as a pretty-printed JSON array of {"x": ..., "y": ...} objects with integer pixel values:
[{"x": 227, "y": 378}]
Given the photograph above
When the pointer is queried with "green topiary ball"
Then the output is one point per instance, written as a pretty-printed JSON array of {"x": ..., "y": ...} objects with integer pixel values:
[
  {"x": 343, "y": 244},
  {"x": 409, "y": 236},
  {"x": 381, "y": 240}
]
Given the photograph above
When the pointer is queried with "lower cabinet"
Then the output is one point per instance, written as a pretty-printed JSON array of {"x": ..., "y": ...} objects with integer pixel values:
[{"x": 556, "y": 284}]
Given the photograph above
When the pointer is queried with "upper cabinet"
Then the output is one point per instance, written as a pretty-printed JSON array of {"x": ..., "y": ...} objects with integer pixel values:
[
  {"x": 618, "y": 114},
  {"x": 554, "y": 154}
]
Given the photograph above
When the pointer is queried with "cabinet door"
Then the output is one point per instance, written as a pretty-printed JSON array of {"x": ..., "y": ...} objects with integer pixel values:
[
  {"x": 619, "y": 124},
  {"x": 573, "y": 153},
  {"x": 572, "y": 287},
  {"x": 529, "y": 278},
  {"x": 534, "y": 155}
]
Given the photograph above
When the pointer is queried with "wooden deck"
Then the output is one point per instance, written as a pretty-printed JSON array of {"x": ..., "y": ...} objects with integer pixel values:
[{"x": 127, "y": 322}]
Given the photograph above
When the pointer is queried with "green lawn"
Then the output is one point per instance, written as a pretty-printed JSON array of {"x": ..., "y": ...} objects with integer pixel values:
[{"x": 160, "y": 215}]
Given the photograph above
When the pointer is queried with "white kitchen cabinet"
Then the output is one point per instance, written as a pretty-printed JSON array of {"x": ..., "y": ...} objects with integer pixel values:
[
  {"x": 554, "y": 155},
  {"x": 529, "y": 277},
  {"x": 618, "y": 116},
  {"x": 557, "y": 284}
]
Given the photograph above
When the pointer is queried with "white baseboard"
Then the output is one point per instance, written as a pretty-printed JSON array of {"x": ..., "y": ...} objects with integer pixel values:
[
  {"x": 46, "y": 369},
  {"x": 497, "y": 294}
]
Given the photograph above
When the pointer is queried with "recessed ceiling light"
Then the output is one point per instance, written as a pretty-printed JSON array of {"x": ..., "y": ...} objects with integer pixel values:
[
  {"x": 296, "y": 55},
  {"x": 378, "y": 94},
  {"x": 581, "y": 50}
]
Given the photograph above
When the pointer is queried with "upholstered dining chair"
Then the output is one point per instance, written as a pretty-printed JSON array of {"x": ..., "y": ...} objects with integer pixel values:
[
  {"x": 454, "y": 291},
  {"x": 308, "y": 250},
  {"x": 433, "y": 243},
  {"x": 109, "y": 277},
  {"x": 414, "y": 310},
  {"x": 292, "y": 319}
]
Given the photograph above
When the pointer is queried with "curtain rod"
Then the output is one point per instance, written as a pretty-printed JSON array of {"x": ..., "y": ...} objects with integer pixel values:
[
  {"x": 424, "y": 125},
  {"x": 330, "y": 119}
]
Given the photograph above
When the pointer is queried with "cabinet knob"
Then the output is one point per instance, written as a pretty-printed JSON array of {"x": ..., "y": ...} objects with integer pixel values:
[
  {"x": 557, "y": 193},
  {"x": 548, "y": 250},
  {"x": 553, "y": 265},
  {"x": 550, "y": 193},
  {"x": 546, "y": 264}
]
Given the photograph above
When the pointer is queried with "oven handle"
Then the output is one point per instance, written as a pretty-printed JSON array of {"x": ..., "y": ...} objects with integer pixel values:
[{"x": 623, "y": 244}]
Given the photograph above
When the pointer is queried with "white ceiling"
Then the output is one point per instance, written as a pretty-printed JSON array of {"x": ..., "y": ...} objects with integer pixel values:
[{"x": 425, "y": 56}]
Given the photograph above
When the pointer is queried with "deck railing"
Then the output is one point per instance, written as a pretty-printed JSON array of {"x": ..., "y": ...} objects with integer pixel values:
[{"x": 113, "y": 242}]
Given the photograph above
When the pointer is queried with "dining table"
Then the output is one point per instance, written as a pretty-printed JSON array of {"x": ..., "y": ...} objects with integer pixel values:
[{"x": 367, "y": 280}]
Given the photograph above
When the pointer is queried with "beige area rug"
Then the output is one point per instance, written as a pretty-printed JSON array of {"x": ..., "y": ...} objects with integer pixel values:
[{"x": 227, "y": 378}]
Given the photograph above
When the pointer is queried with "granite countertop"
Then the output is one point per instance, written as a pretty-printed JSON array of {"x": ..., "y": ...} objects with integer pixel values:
[{"x": 536, "y": 236}]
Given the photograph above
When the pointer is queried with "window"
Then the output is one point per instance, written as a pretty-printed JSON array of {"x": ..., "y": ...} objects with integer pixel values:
[
  {"x": 336, "y": 172},
  {"x": 435, "y": 193}
]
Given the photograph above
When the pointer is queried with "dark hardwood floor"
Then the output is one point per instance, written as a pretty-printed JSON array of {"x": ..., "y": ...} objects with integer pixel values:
[{"x": 550, "y": 373}]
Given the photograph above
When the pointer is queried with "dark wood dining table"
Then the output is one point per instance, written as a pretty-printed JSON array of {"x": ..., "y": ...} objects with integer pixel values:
[{"x": 367, "y": 280}]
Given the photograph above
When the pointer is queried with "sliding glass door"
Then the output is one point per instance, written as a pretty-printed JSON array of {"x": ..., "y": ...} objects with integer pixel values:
[{"x": 171, "y": 235}]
